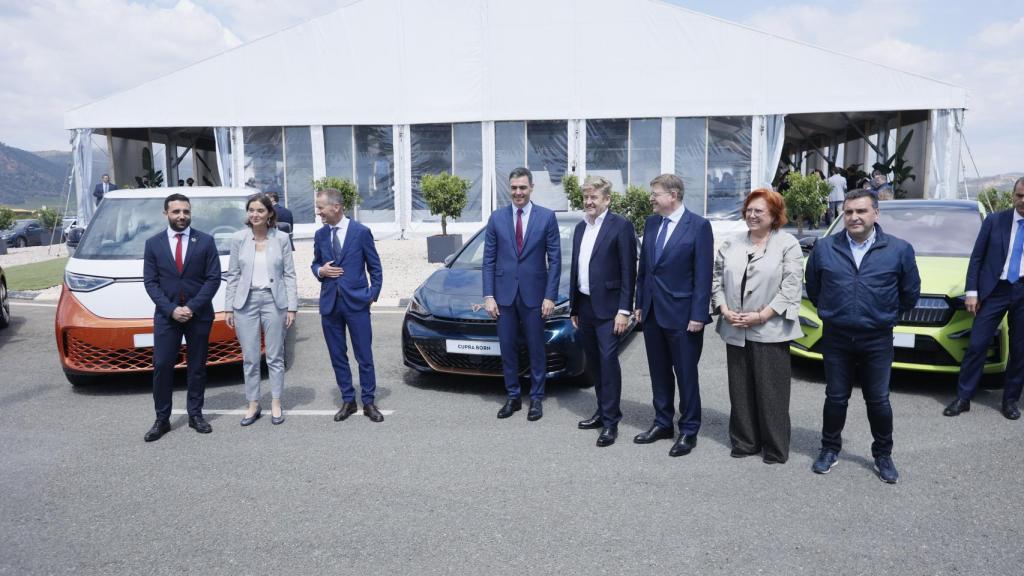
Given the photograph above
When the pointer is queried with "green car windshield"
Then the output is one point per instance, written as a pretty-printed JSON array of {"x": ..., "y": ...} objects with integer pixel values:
[{"x": 947, "y": 231}]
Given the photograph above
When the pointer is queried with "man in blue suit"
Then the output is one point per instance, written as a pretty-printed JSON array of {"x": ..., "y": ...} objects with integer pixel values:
[
  {"x": 343, "y": 255},
  {"x": 602, "y": 277},
  {"x": 181, "y": 272},
  {"x": 101, "y": 189},
  {"x": 522, "y": 265},
  {"x": 284, "y": 215},
  {"x": 995, "y": 286},
  {"x": 673, "y": 300}
]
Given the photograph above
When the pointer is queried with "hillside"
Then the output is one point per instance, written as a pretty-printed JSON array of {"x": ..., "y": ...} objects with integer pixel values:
[{"x": 29, "y": 181}]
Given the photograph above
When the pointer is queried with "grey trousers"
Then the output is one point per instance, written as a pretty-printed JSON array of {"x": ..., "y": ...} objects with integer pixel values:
[
  {"x": 759, "y": 385},
  {"x": 261, "y": 311}
]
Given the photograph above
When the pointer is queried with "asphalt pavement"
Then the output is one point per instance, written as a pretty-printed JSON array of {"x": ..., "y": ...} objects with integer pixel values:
[{"x": 443, "y": 487}]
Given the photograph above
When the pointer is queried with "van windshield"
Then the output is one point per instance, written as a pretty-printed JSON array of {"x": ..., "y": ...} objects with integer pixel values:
[{"x": 122, "y": 225}]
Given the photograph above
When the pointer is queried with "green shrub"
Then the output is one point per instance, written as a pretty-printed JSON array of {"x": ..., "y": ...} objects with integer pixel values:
[
  {"x": 995, "y": 200},
  {"x": 445, "y": 194},
  {"x": 571, "y": 185},
  {"x": 805, "y": 198},
  {"x": 349, "y": 192},
  {"x": 49, "y": 217},
  {"x": 634, "y": 205},
  {"x": 6, "y": 217}
]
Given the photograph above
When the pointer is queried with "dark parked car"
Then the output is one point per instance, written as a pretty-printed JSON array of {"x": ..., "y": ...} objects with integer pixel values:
[
  {"x": 5, "y": 305},
  {"x": 26, "y": 233},
  {"x": 447, "y": 330}
]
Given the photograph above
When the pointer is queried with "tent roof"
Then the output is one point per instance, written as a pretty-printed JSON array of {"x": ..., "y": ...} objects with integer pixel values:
[{"x": 406, "y": 62}]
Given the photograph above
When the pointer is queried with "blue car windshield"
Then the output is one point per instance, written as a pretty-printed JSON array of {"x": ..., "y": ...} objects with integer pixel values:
[
  {"x": 122, "y": 225},
  {"x": 948, "y": 231}
]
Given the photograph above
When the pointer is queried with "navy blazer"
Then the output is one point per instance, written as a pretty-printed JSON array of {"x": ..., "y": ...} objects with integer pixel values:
[
  {"x": 535, "y": 272},
  {"x": 989, "y": 253},
  {"x": 97, "y": 191},
  {"x": 612, "y": 267},
  {"x": 196, "y": 284},
  {"x": 680, "y": 282},
  {"x": 359, "y": 258}
]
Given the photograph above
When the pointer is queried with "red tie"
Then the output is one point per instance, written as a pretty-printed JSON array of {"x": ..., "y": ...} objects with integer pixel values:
[
  {"x": 177, "y": 255},
  {"x": 519, "y": 230}
]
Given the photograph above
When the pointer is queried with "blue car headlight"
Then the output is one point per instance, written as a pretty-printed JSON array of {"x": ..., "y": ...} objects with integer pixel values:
[
  {"x": 416, "y": 308},
  {"x": 83, "y": 283}
]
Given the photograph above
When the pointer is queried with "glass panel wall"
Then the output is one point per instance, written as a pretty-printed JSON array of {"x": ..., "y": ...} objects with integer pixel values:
[
  {"x": 729, "y": 140},
  {"x": 547, "y": 156},
  {"x": 690, "y": 153},
  {"x": 469, "y": 163},
  {"x": 644, "y": 151},
  {"x": 338, "y": 152},
  {"x": 160, "y": 165},
  {"x": 608, "y": 151},
  {"x": 431, "y": 149},
  {"x": 375, "y": 173},
  {"x": 299, "y": 173},
  {"x": 264, "y": 158},
  {"x": 186, "y": 168},
  {"x": 509, "y": 154}
]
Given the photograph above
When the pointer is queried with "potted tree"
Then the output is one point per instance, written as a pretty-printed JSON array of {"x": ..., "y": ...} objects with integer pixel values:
[
  {"x": 445, "y": 194},
  {"x": 349, "y": 193},
  {"x": 805, "y": 198}
]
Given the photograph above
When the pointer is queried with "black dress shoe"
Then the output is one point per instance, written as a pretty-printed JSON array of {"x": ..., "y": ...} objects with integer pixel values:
[
  {"x": 684, "y": 445},
  {"x": 607, "y": 437},
  {"x": 371, "y": 412},
  {"x": 250, "y": 419},
  {"x": 536, "y": 410},
  {"x": 592, "y": 423},
  {"x": 1010, "y": 410},
  {"x": 160, "y": 427},
  {"x": 347, "y": 409},
  {"x": 511, "y": 407},
  {"x": 653, "y": 434},
  {"x": 199, "y": 424},
  {"x": 956, "y": 407}
]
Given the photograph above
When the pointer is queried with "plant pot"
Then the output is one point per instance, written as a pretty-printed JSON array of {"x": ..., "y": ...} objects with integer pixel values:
[{"x": 439, "y": 247}]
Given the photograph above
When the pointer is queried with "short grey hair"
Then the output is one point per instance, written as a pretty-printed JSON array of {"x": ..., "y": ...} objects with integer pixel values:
[
  {"x": 670, "y": 183},
  {"x": 333, "y": 195},
  {"x": 597, "y": 184}
]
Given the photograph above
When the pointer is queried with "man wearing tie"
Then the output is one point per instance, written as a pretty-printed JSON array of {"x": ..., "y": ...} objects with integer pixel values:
[
  {"x": 181, "y": 273},
  {"x": 602, "y": 278},
  {"x": 343, "y": 255},
  {"x": 995, "y": 286},
  {"x": 673, "y": 299},
  {"x": 521, "y": 268},
  {"x": 102, "y": 188}
]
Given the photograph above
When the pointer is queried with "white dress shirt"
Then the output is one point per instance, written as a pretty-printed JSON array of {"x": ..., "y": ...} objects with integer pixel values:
[
  {"x": 838, "y": 193},
  {"x": 526, "y": 218},
  {"x": 338, "y": 230},
  {"x": 673, "y": 220},
  {"x": 1009, "y": 253},
  {"x": 172, "y": 238},
  {"x": 590, "y": 233}
]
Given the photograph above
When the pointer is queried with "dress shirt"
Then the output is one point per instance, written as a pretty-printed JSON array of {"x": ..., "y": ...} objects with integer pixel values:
[
  {"x": 838, "y": 193},
  {"x": 1009, "y": 252},
  {"x": 673, "y": 220},
  {"x": 342, "y": 228},
  {"x": 172, "y": 238},
  {"x": 526, "y": 218},
  {"x": 859, "y": 250}
]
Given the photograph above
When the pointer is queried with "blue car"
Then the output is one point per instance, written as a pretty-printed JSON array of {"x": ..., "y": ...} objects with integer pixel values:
[{"x": 447, "y": 330}]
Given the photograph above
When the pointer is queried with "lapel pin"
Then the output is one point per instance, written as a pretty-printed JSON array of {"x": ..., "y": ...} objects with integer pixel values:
[{"x": 193, "y": 239}]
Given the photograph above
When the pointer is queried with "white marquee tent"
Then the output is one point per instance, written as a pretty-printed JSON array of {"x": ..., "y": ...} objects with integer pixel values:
[{"x": 581, "y": 86}]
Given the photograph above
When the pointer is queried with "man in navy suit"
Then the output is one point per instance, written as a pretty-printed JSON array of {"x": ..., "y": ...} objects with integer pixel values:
[
  {"x": 522, "y": 265},
  {"x": 602, "y": 277},
  {"x": 101, "y": 189},
  {"x": 284, "y": 215},
  {"x": 181, "y": 272},
  {"x": 673, "y": 299},
  {"x": 343, "y": 255},
  {"x": 995, "y": 286}
]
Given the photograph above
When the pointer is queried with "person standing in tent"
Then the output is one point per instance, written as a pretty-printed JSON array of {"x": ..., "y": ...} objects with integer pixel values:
[{"x": 104, "y": 186}]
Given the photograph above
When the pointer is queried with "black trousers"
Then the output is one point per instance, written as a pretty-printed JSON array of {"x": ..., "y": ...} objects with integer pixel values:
[
  {"x": 759, "y": 386},
  {"x": 601, "y": 347},
  {"x": 167, "y": 335}
]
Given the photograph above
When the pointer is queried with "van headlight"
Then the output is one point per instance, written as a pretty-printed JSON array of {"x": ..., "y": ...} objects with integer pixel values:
[{"x": 83, "y": 283}]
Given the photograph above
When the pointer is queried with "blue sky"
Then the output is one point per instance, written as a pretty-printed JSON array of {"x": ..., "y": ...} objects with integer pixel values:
[{"x": 59, "y": 54}]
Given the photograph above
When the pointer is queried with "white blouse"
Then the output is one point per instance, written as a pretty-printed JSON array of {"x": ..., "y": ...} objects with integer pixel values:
[{"x": 260, "y": 277}]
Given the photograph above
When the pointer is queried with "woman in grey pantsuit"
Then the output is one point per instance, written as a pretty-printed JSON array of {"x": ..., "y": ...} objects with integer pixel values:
[
  {"x": 756, "y": 290},
  {"x": 261, "y": 293}
]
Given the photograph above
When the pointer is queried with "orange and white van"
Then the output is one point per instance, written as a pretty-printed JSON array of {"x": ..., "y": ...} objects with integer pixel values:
[{"x": 104, "y": 322}]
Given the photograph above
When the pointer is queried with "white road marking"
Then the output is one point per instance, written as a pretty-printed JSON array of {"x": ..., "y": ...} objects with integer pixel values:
[{"x": 241, "y": 412}]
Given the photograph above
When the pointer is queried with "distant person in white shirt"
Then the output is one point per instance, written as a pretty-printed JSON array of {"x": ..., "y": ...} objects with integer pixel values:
[{"x": 835, "y": 198}]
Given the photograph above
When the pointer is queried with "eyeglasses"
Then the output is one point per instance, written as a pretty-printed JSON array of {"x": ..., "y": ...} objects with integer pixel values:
[
  {"x": 519, "y": 188},
  {"x": 755, "y": 212}
]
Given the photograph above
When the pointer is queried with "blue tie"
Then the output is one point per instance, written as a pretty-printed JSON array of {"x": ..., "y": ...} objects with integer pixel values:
[
  {"x": 659, "y": 244},
  {"x": 335, "y": 245},
  {"x": 1013, "y": 272}
]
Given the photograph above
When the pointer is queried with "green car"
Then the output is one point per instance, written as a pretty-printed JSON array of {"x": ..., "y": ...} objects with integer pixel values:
[{"x": 933, "y": 336}]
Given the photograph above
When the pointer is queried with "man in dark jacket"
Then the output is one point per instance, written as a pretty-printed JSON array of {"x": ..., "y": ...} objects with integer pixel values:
[{"x": 860, "y": 280}]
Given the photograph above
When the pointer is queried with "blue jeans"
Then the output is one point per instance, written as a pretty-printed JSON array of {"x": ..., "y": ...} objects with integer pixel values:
[{"x": 847, "y": 356}]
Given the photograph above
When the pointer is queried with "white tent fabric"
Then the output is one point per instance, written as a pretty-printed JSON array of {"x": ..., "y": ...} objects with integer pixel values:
[
  {"x": 401, "y": 62},
  {"x": 944, "y": 153},
  {"x": 770, "y": 135},
  {"x": 81, "y": 158},
  {"x": 222, "y": 142}
]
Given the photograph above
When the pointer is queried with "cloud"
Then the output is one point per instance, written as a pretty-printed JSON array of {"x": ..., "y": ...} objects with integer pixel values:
[
  {"x": 1000, "y": 34},
  {"x": 61, "y": 54}
]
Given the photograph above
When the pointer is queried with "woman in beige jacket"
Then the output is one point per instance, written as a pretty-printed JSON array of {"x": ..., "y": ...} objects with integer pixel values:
[{"x": 756, "y": 292}]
